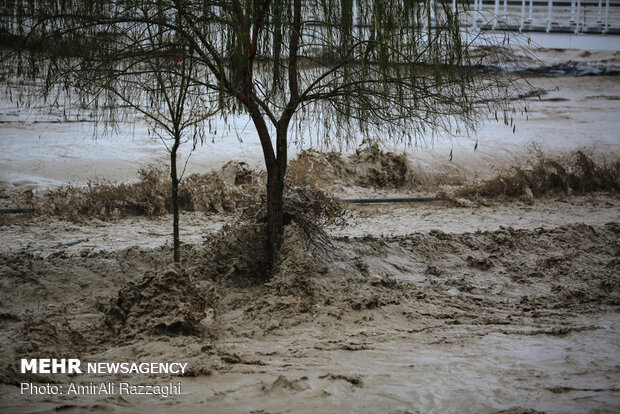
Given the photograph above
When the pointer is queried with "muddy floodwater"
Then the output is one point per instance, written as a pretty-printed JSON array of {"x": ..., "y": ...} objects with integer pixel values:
[
  {"x": 500, "y": 296},
  {"x": 465, "y": 372}
]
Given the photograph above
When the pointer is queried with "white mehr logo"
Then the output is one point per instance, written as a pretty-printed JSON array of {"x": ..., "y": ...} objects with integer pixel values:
[{"x": 50, "y": 366}]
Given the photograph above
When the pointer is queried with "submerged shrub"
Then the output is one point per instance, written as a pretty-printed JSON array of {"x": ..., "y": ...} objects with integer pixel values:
[
  {"x": 150, "y": 195},
  {"x": 576, "y": 172},
  {"x": 367, "y": 167}
]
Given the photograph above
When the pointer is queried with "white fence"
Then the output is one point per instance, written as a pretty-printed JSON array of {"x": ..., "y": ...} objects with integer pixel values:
[{"x": 568, "y": 16}]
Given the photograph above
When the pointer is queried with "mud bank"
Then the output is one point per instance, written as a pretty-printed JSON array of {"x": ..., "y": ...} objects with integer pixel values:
[{"x": 429, "y": 322}]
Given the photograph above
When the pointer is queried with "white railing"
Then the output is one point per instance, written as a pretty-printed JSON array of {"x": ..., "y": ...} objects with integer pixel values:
[{"x": 578, "y": 16}]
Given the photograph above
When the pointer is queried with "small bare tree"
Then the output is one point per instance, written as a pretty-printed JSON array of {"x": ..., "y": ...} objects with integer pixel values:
[
  {"x": 159, "y": 84},
  {"x": 164, "y": 92},
  {"x": 150, "y": 73}
]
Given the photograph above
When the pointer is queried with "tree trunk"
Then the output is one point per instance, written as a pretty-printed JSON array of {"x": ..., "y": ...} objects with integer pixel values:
[
  {"x": 175, "y": 202},
  {"x": 275, "y": 210}
]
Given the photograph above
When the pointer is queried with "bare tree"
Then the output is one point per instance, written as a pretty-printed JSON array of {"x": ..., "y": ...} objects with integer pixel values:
[
  {"x": 388, "y": 69},
  {"x": 176, "y": 109},
  {"x": 149, "y": 72},
  {"x": 162, "y": 90}
]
